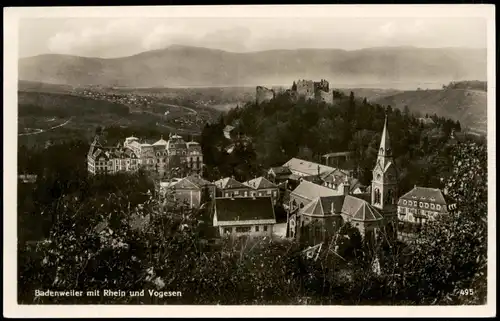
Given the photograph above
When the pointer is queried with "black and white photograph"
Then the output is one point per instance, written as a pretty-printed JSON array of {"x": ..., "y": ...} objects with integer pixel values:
[{"x": 318, "y": 160}]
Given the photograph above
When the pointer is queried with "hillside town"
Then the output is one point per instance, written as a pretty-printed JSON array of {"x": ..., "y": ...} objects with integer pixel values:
[{"x": 317, "y": 198}]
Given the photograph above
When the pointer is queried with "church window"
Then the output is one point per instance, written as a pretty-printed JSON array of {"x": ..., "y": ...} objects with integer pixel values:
[
  {"x": 421, "y": 204},
  {"x": 433, "y": 206},
  {"x": 426, "y": 205},
  {"x": 390, "y": 198},
  {"x": 404, "y": 202},
  {"x": 438, "y": 207},
  {"x": 381, "y": 150},
  {"x": 377, "y": 196},
  {"x": 379, "y": 177}
]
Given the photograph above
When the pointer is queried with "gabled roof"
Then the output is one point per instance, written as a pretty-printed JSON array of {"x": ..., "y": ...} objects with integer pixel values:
[
  {"x": 311, "y": 191},
  {"x": 198, "y": 181},
  {"x": 229, "y": 183},
  {"x": 242, "y": 209},
  {"x": 367, "y": 213},
  {"x": 307, "y": 167},
  {"x": 322, "y": 206},
  {"x": 425, "y": 194},
  {"x": 260, "y": 183},
  {"x": 359, "y": 209},
  {"x": 160, "y": 142}
]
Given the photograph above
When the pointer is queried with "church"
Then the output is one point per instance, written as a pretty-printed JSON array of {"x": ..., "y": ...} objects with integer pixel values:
[{"x": 316, "y": 212}]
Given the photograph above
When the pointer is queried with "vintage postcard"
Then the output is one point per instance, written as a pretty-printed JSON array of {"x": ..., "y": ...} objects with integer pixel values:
[{"x": 250, "y": 160}]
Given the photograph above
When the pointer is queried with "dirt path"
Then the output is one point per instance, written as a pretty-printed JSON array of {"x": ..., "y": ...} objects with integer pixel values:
[
  {"x": 39, "y": 131},
  {"x": 194, "y": 112}
]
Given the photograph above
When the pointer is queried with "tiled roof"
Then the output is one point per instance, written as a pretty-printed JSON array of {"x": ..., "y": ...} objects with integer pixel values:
[
  {"x": 367, "y": 213},
  {"x": 427, "y": 194},
  {"x": 311, "y": 191},
  {"x": 260, "y": 183},
  {"x": 307, "y": 167},
  {"x": 229, "y": 183},
  {"x": 185, "y": 184},
  {"x": 321, "y": 206},
  {"x": 198, "y": 181},
  {"x": 244, "y": 209},
  {"x": 160, "y": 142},
  {"x": 359, "y": 209}
]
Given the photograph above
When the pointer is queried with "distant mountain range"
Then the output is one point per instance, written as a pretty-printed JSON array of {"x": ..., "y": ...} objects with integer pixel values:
[{"x": 183, "y": 66}]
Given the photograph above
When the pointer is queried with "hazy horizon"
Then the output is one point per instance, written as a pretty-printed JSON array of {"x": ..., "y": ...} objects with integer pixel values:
[{"x": 123, "y": 37}]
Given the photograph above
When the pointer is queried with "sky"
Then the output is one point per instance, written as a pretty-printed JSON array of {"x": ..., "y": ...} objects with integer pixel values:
[{"x": 119, "y": 37}]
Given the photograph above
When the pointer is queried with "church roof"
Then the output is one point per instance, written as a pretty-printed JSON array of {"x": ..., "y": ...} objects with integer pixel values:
[
  {"x": 260, "y": 183},
  {"x": 360, "y": 209},
  {"x": 311, "y": 191},
  {"x": 322, "y": 206}
]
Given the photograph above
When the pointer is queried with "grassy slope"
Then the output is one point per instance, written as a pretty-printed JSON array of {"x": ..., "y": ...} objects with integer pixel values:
[{"x": 467, "y": 106}]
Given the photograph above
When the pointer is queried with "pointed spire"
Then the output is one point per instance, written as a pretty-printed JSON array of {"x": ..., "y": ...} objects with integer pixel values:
[{"x": 385, "y": 144}]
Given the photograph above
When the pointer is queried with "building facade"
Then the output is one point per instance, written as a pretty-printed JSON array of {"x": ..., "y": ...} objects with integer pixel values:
[
  {"x": 250, "y": 216},
  {"x": 260, "y": 187},
  {"x": 162, "y": 157},
  {"x": 419, "y": 206},
  {"x": 229, "y": 187},
  {"x": 192, "y": 191}
]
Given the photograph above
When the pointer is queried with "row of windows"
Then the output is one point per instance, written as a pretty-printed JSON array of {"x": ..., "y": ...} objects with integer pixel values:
[
  {"x": 422, "y": 204},
  {"x": 406, "y": 210},
  {"x": 244, "y": 229},
  {"x": 246, "y": 193}
]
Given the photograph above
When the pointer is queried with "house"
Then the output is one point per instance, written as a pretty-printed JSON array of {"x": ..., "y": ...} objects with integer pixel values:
[
  {"x": 303, "y": 168},
  {"x": 262, "y": 187},
  {"x": 190, "y": 190},
  {"x": 250, "y": 216},
  {"x": 279, "y": 174},
  {"x": 329, "y": 208},
  {"x": 229, "y": 187},
  {"x": 418, "y": 206},
  {"x": 339, "y": 176}
]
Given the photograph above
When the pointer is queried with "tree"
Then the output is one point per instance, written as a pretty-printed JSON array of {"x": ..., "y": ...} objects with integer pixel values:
[{"x": 451, "y": 252}]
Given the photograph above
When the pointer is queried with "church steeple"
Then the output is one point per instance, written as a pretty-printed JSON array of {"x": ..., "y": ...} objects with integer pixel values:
[
  {"x": 385, "y": 143},
  {"x": 384, "y": 182}
]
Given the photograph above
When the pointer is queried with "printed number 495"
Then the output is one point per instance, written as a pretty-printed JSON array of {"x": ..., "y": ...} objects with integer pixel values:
[{"x": 466, "y": 292}]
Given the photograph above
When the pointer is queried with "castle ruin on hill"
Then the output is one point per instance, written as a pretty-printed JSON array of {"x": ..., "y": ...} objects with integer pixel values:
[{"x": 307, "y": 89}]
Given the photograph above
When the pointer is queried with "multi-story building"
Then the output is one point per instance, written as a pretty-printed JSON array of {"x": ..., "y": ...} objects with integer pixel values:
[
  {"x": 189, "y": 190},
  {"x": 248, "y": 216},
  {"x": 229, "y": 187},
  {"x": 162, "y": 157},
  {"x": 417, "y": 207},
  {"x": 262, "y": 187}
]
